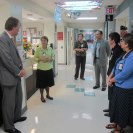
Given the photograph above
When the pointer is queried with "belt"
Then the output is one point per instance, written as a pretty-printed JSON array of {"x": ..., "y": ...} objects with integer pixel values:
[{"x": 97, "y": 58}]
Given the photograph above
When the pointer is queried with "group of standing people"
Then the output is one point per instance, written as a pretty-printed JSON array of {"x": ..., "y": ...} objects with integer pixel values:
[
  {"x": 11, "y": 71},
  {"x": 120, "y": 80},
  {"x": 120, "y": 74},
  {"x": 119, "y": 50},
  {"x": 101, "y": 54}
]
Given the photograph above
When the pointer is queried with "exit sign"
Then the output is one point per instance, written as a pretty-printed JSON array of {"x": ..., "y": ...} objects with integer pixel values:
[{"x": 110, "y": 10}]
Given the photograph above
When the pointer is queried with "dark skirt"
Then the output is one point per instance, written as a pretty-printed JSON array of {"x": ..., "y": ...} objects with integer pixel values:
[
  {"x": 110, "y": 92},
  {"x": 121, "y": 107},
  {"x": 44, "y": 78}
]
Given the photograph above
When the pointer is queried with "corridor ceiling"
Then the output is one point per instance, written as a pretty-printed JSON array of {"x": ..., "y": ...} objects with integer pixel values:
[{"x": 50, "y": 5}]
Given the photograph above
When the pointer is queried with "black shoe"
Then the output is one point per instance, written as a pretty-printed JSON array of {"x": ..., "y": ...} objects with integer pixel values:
[
  {"x": 95, "y": 87},
  {"x": 75, "y": 78},
  {"x": 50, "y": 98},
  {"x": 107, "y": 114},
  {"x": 82, "y": 78},
  {"x": 43, "y": 100},
  {"x": 20, "y": 119},
  {"x": 1, "y": 123},
  {"x": 106, "y": 110},
  {"x": 103, "y": 89},
  {"x": 14, "y": 130}
]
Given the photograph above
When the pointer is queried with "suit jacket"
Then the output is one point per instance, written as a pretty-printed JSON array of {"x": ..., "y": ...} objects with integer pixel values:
[
  {"x": 104, "y": 52},
  {"x": 10, "y": 62},
  {"x": 1, "y": 119},
  {"x": 115, "y": 54}
]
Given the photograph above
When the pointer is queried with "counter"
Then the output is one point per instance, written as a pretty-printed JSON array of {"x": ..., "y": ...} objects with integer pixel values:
[{"x": 30, "y": 78}]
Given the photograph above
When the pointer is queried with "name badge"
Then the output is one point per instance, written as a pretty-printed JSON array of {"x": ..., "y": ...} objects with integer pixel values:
[
  {"x": 120, "y": 66},
  {"x": 82, "y": 46},
  {"x": 44, "y": 54}
]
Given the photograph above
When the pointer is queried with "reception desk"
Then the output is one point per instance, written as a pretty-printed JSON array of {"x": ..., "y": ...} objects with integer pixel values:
[{"x": 30, "y": 78}]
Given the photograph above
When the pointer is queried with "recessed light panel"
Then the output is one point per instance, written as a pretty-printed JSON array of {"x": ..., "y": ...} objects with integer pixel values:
[{"x": 80, "y": 5}]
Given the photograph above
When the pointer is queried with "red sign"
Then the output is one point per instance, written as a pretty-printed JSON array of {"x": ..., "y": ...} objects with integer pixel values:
[
  {"x": 109, "y": 10},
  {"x": 59, "y": 35}
]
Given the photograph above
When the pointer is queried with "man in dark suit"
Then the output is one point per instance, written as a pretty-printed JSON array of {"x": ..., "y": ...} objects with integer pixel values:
[
  {"x": 1, "y": 121},
  {"x": 11, "y": 71},
  {"x": 116, "y": 51}
]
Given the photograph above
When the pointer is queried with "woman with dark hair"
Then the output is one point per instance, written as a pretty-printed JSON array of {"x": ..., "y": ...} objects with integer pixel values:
[
  {"x": 44, "y": 56},
  {"x": 80, "y": 48},
  {"x": 121, "y": 110},
  {"x": 116, "y": 51}
]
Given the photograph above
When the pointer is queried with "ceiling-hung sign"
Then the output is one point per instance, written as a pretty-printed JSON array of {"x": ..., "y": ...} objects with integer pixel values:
[
  {"x": 110, "y": 10},
  {"x": 57, "y": 14}
]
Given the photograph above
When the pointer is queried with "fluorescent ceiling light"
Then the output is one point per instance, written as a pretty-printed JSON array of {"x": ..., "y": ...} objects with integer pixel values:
[
  {"x": 80, "y": 8},
  {"x": 86, "y": 18},
  {"x": 80, "y": 5},
  {"x": 33, "y": 19}
]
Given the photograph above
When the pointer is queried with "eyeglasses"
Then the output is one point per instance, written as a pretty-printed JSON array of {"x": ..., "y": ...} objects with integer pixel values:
[{"x": 121, "y": 40}]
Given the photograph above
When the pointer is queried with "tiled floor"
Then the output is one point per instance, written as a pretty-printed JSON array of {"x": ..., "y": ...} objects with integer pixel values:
[{"x": 70, "y": 111}]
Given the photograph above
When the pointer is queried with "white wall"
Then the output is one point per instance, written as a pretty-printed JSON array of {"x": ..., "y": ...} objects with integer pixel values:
[
  {"x": 94, "y": 26},
  {"x": 7, "y": 11},
  {"x": 120, "y": 22},
  {"x": 61, "y": 46},
  {"x": 49, "y": 30},
  {"x": 37, "y": 25},
  {"x": 3, "y": 17},
  {"x": 32, "y": 6}
]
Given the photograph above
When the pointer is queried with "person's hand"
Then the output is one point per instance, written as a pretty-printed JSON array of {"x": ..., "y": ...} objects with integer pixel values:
[
  {"x": 81, "y": 50},
  {"x": 44, "y": 58},
  {"x": 50, "y": 59},
  {"x": 22, "y": 73},
  {"x": 108, "y": 79},
  {"x": 111, "y": 81},
  {"x": 84, "y": 49}
]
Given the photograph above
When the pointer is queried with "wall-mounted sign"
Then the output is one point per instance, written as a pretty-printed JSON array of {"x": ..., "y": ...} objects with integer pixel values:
[{"x": 59, "y": 35}]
